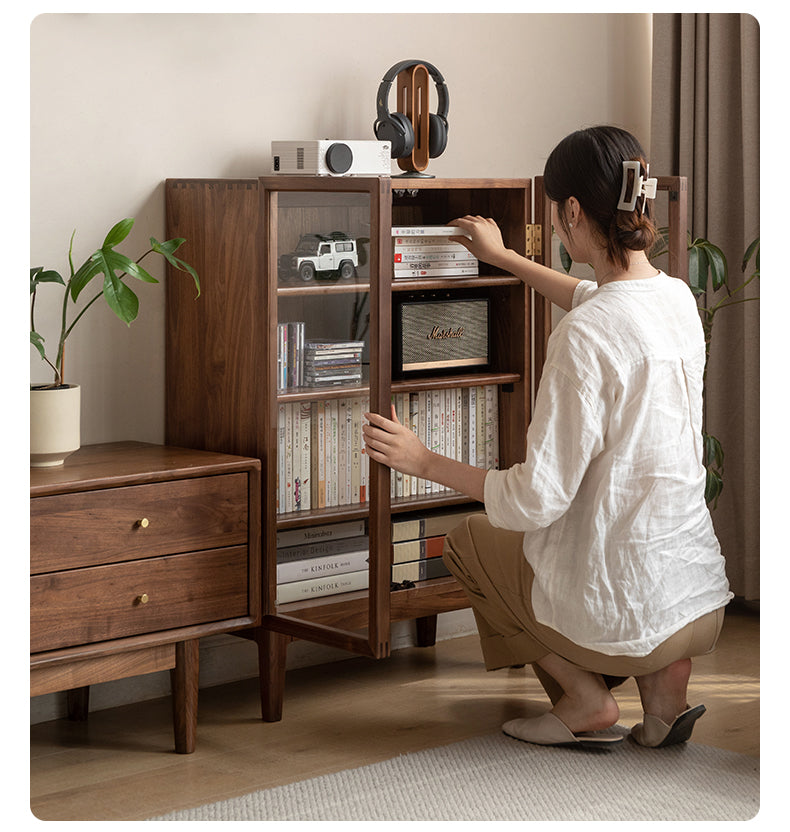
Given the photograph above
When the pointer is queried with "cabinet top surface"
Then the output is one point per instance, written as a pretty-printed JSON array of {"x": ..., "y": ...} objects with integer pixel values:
[
  {"x": 128, "y": 463},
  {"x": 290, "y": 180}
]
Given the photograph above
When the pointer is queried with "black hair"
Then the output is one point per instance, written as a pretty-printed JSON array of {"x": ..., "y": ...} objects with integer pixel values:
[{"x": 588, "y": 165}]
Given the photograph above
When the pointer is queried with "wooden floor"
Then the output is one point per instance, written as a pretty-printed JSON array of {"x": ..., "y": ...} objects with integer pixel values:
[{"x": 120, "y": 765}]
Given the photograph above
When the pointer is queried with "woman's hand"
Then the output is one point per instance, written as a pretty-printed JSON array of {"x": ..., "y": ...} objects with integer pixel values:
[
  {"x": 390, "y": 443},
  {"x": 484, "y": 238},
  {"x": 387, "y": 441}
]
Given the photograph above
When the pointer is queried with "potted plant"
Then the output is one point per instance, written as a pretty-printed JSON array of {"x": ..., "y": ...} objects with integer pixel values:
[{"x": 55, "y": 407}]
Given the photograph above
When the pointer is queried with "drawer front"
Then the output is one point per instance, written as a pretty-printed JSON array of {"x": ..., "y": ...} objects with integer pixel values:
[
  {"x": 123, "y": 524},
  {"x": 82, "y": 606}
]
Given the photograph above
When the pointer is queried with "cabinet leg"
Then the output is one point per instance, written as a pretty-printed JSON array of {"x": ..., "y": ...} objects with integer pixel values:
[
  {"x": 184, "y": 684},
  {"x": 426, "y": 631},
  {"x": 77, "y": 701},
  {"x": 272, "y": 652}
]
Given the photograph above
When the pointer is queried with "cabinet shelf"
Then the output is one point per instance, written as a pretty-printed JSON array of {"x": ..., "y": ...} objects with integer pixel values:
[
  {"x": 470, "y": 282},
  {"x": 322, "y": 289}
]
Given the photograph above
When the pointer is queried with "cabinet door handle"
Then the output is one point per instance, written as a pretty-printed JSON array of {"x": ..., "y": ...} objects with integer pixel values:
[
  {"x": 142, "y": 523},
  {"x": 141, "y": 599}
]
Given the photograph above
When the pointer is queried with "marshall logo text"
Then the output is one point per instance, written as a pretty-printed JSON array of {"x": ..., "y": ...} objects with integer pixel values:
[{"x": 440, "y": 334}]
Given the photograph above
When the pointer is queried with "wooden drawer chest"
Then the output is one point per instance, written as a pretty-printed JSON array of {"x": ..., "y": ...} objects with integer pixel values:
[{"x": 136, "y": 551}]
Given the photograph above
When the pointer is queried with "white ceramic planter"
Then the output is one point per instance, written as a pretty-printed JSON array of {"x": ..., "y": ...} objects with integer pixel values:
[{"x": 54, "y": 425}]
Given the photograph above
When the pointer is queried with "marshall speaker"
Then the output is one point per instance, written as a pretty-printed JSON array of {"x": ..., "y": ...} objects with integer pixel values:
[{"x": 440, "y": 335}]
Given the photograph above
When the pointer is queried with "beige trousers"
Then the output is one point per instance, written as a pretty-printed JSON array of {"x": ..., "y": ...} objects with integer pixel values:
[{"x": 490, "y": 565}]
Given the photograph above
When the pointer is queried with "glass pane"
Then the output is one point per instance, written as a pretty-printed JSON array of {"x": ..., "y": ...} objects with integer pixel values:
[{"x": 323, "y": 348}]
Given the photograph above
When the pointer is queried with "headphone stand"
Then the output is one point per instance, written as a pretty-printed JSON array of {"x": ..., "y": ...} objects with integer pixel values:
[
  {"x": 413, "y": 174},
  {"x": 412, "y": 91}
]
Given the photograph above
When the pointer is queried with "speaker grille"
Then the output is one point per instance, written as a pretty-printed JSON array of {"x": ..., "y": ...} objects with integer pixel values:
[{"x": 443, "y": 334}]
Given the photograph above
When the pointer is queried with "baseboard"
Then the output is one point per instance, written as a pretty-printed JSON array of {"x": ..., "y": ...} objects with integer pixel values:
[{"x": 225, "y": 659}]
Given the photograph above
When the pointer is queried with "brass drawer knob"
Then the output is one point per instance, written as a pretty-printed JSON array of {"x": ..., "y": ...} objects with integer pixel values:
[
  {"x": 143, "y": 523},
  {"x": 141, "y": 599}
]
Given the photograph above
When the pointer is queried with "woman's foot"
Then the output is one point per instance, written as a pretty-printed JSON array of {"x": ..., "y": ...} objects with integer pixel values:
[
  {"x": 586, "y": 703},
  {"x": 664, "y": 693}
]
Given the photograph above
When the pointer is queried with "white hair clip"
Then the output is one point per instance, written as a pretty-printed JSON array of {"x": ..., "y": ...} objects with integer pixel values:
[{"x": 639, "y": 186}]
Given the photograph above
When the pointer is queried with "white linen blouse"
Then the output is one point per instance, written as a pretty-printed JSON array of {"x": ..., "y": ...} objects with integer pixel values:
[{"x": 611, "y": 496}]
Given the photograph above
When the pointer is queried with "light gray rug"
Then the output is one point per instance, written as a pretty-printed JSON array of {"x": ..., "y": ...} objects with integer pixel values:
[{"x": 495, "y": 778}]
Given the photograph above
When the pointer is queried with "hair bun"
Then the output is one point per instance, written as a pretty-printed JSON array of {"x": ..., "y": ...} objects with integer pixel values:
[{"x": 633, "y": 230}]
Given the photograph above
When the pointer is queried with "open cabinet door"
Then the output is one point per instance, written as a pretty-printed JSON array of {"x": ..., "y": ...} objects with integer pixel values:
[{"x": 323, "y": 242}]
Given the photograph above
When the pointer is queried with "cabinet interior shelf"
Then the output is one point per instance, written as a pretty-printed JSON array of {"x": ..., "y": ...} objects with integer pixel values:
[
  {"x": 415, "y": 285},
  {"x": 338, "y": 514},
  {"x": 353, "y": 605},
  {"x": 412, "y": 385}
]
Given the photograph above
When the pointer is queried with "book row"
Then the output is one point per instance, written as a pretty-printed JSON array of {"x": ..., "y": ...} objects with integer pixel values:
[
  {"x": 327, "y": 560},
  {"x": 321, "y": 459},
  {"x": 458, "y": 422}
]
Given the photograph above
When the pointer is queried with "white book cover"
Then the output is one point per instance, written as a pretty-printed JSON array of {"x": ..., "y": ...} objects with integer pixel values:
[
  {"x": 289, "y": 457},
  {"x": 480, "y": 421},
  {"x": 305, "y": 462},
  {"x": 405, "y": 271},
  {"x": 465, "y": 425},
  {"x": 422, "y": 433},
  {"x": 422, "y": 241},
  {"x": 321, "y": 455},
  {"x": 450, "y": 447},
  {"x": 281, "y": 457},
  {"x": 332, "y": 453},
  {"x": 437, "y": 411},
  {"x": 413, "y": 424},
  {"x": 322, "y": 565},
  {"x": 428, "y": 255},
  {"x": 472, "y": 460},
  {"x": 356, "y": 449},
  {"x": 343, "y": 469},
  {"x": 459, "y": 424},
  {"x": 319, "y": 587},
  {"x": 426, "y": 231}
]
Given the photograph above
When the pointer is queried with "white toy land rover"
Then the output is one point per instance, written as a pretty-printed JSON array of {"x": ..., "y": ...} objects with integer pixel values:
[{"x": 326, "y": 256}]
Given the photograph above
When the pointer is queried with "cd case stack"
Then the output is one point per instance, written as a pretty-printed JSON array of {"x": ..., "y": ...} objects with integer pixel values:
[{"x": 332, "y": 363}]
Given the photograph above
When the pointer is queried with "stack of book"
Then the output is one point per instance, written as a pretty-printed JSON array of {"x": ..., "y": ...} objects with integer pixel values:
[
  {"x": 418, "y": 542},
  {"x": 321, "y": 560},
  {"x": 290, "y": 355},
  {"x": 332, "y": 363},
  {"x": 425, "y": 251}
]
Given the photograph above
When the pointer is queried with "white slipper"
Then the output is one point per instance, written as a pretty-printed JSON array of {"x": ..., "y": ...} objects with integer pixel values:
[
  {"x": 655, "y": 733},
  {"x": 549, "y": 729}
]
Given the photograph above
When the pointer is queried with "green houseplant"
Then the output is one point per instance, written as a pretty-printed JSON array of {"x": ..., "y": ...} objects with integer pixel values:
[
  {"x": 54, "y": 407},
  {"x": 708, "y": 269}
]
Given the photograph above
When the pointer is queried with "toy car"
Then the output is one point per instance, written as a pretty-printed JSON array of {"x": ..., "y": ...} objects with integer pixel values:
[{"x": 325, "y": 256}]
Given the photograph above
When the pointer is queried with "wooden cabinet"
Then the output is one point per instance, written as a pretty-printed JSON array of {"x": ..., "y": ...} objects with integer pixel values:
[
  {"x": 136, "y": 551},
  {"x": 222, "y": 370},
  {"x": 225, "y": 389}
]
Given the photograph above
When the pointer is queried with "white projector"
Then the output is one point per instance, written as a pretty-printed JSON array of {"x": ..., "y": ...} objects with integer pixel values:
[{"x": 328, "y": 157}]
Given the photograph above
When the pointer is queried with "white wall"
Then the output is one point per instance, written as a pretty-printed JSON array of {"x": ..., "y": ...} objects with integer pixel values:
[{"x": 119, "y": 103}]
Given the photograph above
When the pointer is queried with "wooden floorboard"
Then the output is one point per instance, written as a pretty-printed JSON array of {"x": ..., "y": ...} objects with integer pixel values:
[{"x": 120, "y": 764}]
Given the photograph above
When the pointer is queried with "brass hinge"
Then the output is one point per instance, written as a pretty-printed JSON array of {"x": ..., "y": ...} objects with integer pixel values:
[{"x": 534, "y": 241}]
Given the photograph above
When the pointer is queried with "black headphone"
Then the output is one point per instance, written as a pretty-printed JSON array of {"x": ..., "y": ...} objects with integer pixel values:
[{"x": 397, "y": 129}]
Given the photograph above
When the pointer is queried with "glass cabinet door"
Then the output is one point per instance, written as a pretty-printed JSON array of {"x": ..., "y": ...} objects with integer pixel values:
[{"x": 323, "y": 238}]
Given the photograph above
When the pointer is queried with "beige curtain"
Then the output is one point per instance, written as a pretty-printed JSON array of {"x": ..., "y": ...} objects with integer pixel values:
[{"x": 705, "y": 125}]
